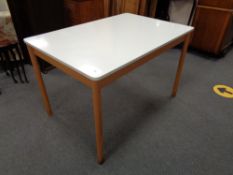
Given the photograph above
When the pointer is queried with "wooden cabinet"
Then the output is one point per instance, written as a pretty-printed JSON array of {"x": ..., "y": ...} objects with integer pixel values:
[
  {"x": 228, "y": 40},
  {"x": 141, "y": 7},
  {"x": 213, "y": 26},
  {"x": 80, "y": 11},
  {"x": 227, "y": 4},
  {"x": 130, "y": 6}
]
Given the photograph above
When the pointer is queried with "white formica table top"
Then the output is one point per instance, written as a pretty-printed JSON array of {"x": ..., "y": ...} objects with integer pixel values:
[{"x": 99, "y": 48}]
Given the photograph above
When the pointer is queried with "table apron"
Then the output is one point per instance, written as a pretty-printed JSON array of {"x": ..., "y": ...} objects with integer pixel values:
[
  {"x": 110, "y": 78},
  {"x": 130, "y": 67},
  {"x": 62, "y": 67}
]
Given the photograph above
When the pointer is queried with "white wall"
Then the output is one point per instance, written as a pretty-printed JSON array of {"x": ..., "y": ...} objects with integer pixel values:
[{"x": 3, "y": 5}]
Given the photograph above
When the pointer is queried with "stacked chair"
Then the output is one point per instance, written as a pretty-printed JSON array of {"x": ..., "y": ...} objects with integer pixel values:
[{"x": 11, "y": 59}]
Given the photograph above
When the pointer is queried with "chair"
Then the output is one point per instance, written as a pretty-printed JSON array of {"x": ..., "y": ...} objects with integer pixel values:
[{"x": 9, "y": 61}]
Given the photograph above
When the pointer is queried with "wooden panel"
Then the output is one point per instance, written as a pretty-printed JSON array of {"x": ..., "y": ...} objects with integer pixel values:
[
  {"x": 131, "y": 6},
  {"x": 116, "y": 7},
  {"x": 107, "y": 4},
  {"x": 152, "y": 8},
  {"x": 228, "y": 4},
  {"x": 210, "y": 27},
  {"x": 80, "y": 11}
]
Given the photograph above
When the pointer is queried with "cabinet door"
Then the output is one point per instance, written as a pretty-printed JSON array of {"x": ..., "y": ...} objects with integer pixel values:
[
  {"x": 210, "y": 28},
  {"x": 228, "y": 4},
  {"x": 80, "y": 11}
]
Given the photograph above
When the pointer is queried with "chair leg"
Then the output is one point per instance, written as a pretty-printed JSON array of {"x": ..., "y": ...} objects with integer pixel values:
[
  {"x": 21, "y": 62},
  {"x": 1, "y": 62},
  {"x": 16, "y": 64},
  {"x": 4, "y": 66},
  {"x": 10, "y": 66}
]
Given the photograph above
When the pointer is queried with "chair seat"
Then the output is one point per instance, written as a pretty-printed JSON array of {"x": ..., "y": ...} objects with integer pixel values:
[{"x": 5, "y": 41}]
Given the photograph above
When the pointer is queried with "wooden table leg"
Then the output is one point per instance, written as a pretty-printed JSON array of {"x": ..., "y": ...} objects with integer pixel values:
[
  {"x": 96, "y": 93},
  {"x": 180, "y": 65},
  {"x": 40, "y": 82}
]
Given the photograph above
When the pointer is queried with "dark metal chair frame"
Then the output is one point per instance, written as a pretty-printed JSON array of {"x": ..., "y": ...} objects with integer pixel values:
[{"x": 9, "y": 61}]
